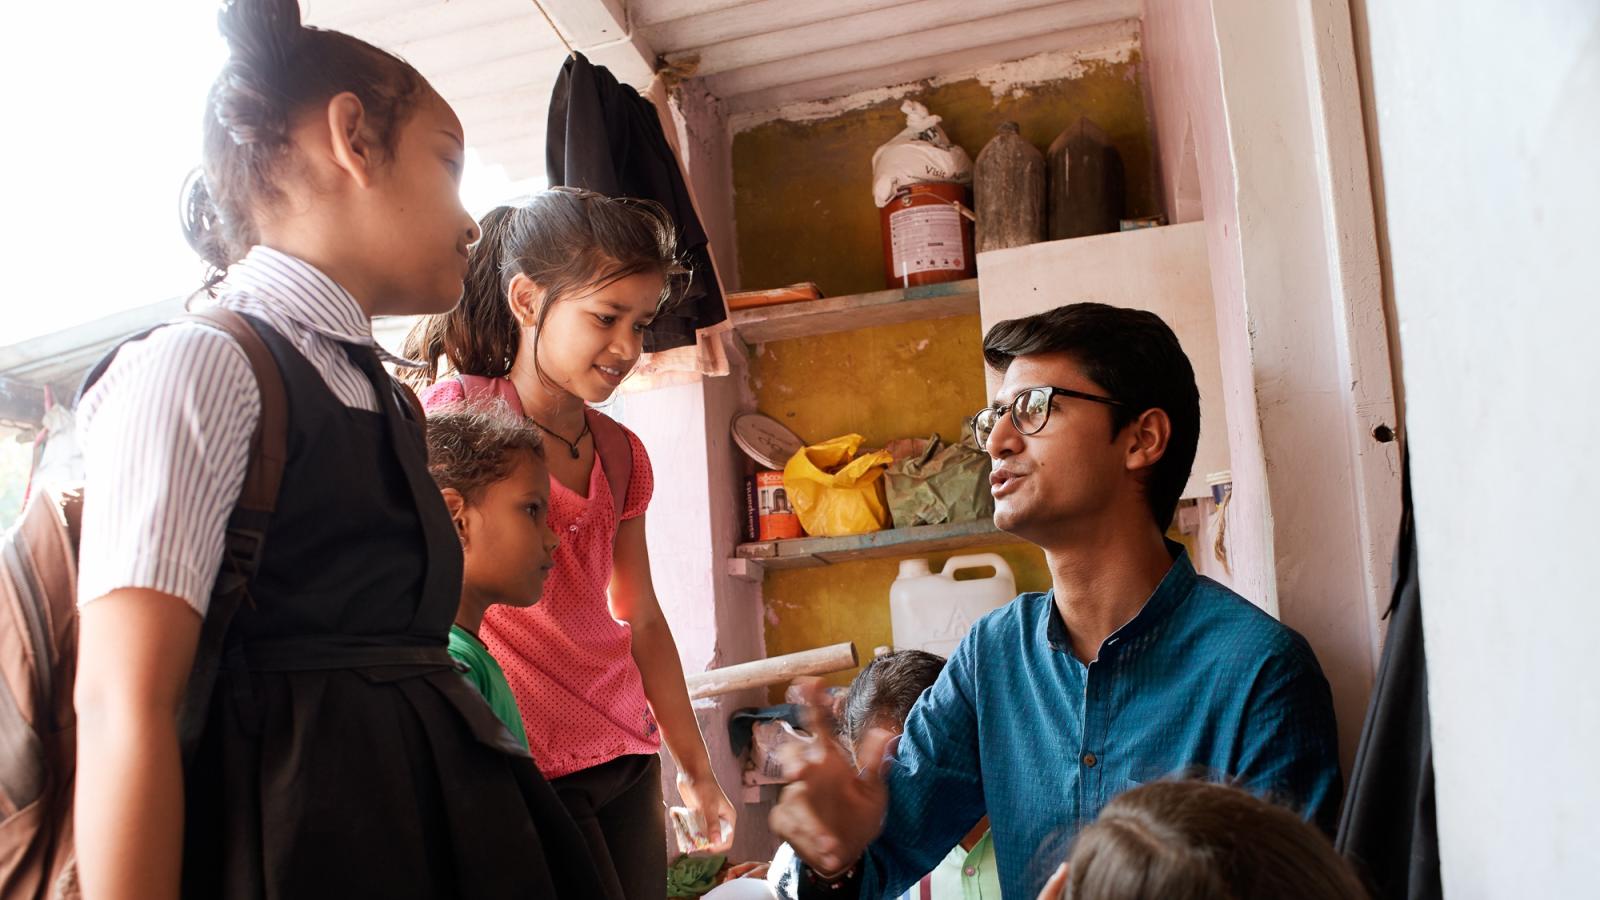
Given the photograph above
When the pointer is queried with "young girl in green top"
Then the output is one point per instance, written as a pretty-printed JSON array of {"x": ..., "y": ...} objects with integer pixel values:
[{"x": 490, "y": 466}]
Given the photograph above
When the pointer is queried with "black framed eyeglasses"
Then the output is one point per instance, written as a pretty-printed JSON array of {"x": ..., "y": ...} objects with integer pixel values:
[{"x": 1029, "y": 409}]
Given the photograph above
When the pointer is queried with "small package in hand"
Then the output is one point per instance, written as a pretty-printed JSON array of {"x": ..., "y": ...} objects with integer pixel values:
[{"x": 689, "y": 828}]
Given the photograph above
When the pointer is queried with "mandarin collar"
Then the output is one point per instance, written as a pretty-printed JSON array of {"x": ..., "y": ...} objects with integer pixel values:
[{"x": 1171, "y": 591}]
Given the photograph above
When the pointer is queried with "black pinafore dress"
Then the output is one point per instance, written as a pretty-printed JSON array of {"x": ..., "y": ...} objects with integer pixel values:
[{"x": 343, "y": 754}]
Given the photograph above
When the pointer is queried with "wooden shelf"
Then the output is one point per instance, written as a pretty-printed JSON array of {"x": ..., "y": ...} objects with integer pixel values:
[
  {"x": 833, "y": 314},
  {"x": 800, "y": 553}
]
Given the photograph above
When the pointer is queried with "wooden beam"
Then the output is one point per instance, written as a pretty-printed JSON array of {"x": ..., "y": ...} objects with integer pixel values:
[
  {"x": 874, "y": 28},
  {"x": 920, "y": 46},
  {"x": 497, "y": 76},
  {"x": 773, "y": 670},
  {"x": 655, "y": 12},
  {"x": 687, "y": 32},
  {"x": 390, "y": 25},
  {"x": 601, "y": 30}
]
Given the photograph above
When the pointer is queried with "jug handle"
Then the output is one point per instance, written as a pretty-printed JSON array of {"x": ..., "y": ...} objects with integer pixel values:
[{"x": 976, "y": 561}]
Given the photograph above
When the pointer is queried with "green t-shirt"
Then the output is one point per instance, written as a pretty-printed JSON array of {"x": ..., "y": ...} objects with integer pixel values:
[{"x": 486, "y": 675}]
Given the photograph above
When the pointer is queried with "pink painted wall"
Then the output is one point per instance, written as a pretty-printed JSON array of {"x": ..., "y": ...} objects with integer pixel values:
[
  {"x": 1262, "y": 96},
  {"x": 693, "y": 525},
  {"x": 1192, "y": 136}
]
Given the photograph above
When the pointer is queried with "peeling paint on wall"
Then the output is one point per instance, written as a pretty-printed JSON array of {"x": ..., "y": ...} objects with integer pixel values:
[{"x": 1114, "y": 43}]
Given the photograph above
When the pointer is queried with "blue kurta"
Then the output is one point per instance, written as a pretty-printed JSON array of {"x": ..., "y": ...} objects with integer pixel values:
[{"x": 1200, "y": 682}]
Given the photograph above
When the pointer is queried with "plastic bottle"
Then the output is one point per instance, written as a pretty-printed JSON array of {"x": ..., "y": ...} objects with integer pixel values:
[{"x": 932, "y": 612}]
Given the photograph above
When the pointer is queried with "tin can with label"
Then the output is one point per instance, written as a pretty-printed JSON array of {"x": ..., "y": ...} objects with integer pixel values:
[
  {"x": 777, "y": 518},
  {"x": 927, "y": 237}
]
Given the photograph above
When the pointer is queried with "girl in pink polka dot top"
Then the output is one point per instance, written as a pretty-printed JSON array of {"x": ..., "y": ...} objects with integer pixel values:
[{"x": 552, "y": 320}]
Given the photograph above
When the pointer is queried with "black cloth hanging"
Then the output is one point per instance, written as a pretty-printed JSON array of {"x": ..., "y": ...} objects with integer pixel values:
[
  {"x": 604, "y": 137},
  {"x": 1389, "y": 830}
]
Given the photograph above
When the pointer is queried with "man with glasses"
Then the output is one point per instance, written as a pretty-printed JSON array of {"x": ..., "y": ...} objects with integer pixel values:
[{"x": 1132, "y": 668}]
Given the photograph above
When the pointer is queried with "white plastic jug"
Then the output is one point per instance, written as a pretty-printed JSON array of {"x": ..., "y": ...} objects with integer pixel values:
[{"x": 933, "y": 612}]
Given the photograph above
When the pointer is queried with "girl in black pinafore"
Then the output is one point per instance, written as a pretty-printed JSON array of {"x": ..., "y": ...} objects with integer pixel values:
[{"x": 343, "y": 755}]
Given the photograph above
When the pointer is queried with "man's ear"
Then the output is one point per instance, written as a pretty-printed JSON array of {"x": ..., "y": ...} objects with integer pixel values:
[
  {"x": 525, "y": 298},
  {"x": 349, "y": 145},
  {"x": 1150, "y": 433},
  {"x": 457, "y": 505}
]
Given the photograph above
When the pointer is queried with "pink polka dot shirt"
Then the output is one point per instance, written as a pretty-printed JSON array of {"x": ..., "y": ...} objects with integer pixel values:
[{"x": 569, "y": 663}]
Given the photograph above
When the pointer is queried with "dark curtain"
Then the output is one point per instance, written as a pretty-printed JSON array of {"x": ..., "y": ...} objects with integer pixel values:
[{"x": 1388, "y": 830}]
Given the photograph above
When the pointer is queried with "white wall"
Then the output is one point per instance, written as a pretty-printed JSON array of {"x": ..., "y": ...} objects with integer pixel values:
[
  {"x": 1488, "y": 124},
  {"x": 1258, "y": 113}
]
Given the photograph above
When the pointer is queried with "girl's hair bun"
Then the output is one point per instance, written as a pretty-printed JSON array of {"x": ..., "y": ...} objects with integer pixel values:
[
  {"x": 260, "y": 31},
  {"x": 263, "y": 37}
]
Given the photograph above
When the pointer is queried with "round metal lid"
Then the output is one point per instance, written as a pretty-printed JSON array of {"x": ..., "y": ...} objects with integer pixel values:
[{"x": 765, "y": 439}]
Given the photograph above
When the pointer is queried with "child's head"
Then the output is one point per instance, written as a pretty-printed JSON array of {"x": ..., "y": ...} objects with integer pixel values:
[
  {"x": 883, "y": 694},
  {"x": 1194, "y": 840},
  {"x": 564, "y": 286},
  {"x": 490, "y": 466},
  {"x": 320, "y": 144}
]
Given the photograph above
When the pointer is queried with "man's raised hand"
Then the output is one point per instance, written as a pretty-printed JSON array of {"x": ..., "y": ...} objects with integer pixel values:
[{"x": 831, "y": 812}]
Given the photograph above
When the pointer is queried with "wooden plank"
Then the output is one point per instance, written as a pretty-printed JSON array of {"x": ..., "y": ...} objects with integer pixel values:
[
  {"x": 654, "y": 12},
  {"x": 601, "y": 30},
  {"x": 895, "y": 542},
  {"x": 803, "y": 38},
  {"x": 772, "y": 670},
  {"x": 702, "y": 29},
  {"x": 834, "y": 314}
]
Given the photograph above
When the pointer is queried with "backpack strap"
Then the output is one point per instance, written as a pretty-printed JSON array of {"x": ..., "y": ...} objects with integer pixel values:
[
  {"x": 415, "y": 404},
  {"x": 616, "y": 456},
  {"x": 247, "y": 526}
]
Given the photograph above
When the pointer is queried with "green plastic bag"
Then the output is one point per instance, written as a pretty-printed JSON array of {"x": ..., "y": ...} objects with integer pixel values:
[
  {"x": 932, "y": 483},
  {"x": 835, "y": 492},
  {"x": 691, "y": 876}
]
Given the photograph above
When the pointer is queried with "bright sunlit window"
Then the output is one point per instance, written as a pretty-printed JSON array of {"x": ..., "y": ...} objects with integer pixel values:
[{"x": 104, "y": 103}]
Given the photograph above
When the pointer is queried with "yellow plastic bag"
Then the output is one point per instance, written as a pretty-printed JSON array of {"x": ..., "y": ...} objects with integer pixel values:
[{"x": 835, "y": 494}]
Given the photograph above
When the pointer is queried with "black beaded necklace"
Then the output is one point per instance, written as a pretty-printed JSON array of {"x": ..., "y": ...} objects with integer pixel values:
[{"x": 571, "y": 445}]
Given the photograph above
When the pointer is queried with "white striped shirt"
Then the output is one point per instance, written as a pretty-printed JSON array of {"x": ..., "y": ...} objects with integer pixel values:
[{"x": 166, "y": 430}]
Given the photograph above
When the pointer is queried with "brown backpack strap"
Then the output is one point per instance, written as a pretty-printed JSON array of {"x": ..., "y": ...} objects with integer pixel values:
[
  {"x": 269, "y": 444},
  {"x": 616, "y": 456},
  {"x": 247, "y": 526},
  {"x": 415, "y": 403}
]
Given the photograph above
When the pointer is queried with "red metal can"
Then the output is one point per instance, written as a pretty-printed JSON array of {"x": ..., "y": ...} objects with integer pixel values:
[{"x": 926, "y": 238}]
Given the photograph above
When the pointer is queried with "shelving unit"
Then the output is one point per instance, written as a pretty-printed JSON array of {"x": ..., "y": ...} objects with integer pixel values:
[
  {"x": 829, "y": 315},
  {"x": 800, "y": 553}
]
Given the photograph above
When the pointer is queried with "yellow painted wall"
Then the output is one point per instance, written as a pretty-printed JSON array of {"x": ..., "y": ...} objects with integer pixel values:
[{"x": 804, "y": 212}]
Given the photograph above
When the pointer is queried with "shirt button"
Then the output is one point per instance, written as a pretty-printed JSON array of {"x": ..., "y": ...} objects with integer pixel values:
[
  {"x": 969, "y": 871},
  {"x": 572, "y": 528},
  {"x": 1089, "y": 760}
]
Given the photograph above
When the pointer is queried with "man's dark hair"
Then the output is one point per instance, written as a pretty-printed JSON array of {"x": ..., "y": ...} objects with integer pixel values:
[
  {"x": 1136, "y": 359},
  {"x": 886, "y": 690}
]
